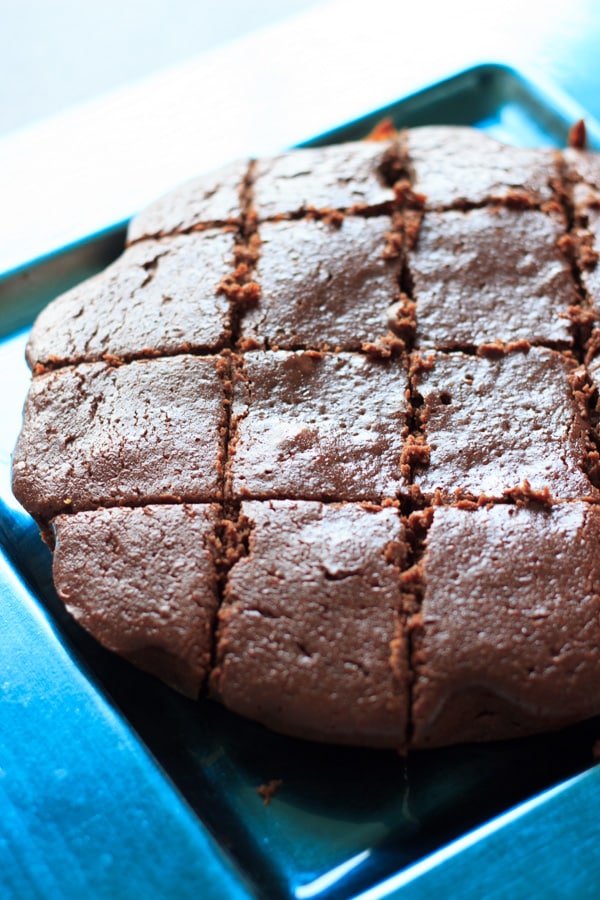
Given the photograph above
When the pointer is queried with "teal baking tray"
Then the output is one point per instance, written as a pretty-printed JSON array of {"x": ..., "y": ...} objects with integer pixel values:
[{"x": 112, "y": 785}]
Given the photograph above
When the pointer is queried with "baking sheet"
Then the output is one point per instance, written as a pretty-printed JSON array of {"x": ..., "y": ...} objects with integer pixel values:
[{"x": 343, "y": 819}]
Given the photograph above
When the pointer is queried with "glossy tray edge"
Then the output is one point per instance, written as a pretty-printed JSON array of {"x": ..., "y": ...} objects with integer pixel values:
[
  {"x": 558, "y": 110},
  {"x": 112, "y": 839},
  {"x": 529, "y": 851}
]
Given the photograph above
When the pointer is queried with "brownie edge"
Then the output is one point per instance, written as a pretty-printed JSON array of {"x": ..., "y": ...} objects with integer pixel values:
[
  {"x": 508, "y": 636},
  {"x": 311, "y": 620},
  {"x": 143, "y": 582},
  {"x": 98, "y": 435}
]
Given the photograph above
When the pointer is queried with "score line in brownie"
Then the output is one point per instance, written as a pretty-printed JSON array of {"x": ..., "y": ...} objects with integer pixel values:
[{"x": 323, "y": 442}]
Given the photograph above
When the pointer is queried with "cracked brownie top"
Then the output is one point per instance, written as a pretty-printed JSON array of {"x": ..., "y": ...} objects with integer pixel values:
[{"x": 315, "y": 441}]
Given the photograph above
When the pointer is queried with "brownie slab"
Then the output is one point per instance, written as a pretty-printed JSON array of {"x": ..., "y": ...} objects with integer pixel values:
[
  {"x": 508, "y": 640},
  {"x": 212, "y": 199},
  {"x": 352, "y": 393},
  {"x": 342, "y": 176},
  {"x": 491, "y": 275},
  {"x": 454, "y": 166},
  {"x": 322, "y": 285},
  {"x": 160, "y": 297},
  {"x": 143, "y": 582},
  {"x": 493, "y": 423},
  {"x": 317, "y": 426},
  {"x": 309, "y": 619},
  {"x": 97, "y": 435}
]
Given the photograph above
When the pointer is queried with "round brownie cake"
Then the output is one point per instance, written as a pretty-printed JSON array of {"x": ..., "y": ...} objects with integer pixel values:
[{"x": 323, "y": 442}]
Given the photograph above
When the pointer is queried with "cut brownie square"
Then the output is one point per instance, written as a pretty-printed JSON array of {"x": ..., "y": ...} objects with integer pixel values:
[
  {"x": 342, "y": 176},
  {"x": 321, "y": 285},
  {"x": 310, "y": 620},
  {"x": 143, "y": 582},
  {"x": 493, "y": 423},
  {"x": 96, "y": 435},
  {"x": 215, "y": 198},
  {"x": 454, "y": 166},
  {"x": 158, "y": 298},
  {"x": 491, "y": 274},
  {"x": 508, "y": 638},
  {"x": 314, "y": 426}
]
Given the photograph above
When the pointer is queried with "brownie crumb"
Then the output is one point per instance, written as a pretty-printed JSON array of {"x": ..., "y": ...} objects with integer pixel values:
[
  {"x": 525, "y": 495},
  {"x": 593, "y": 348},
  {"x": 577, "y": 136},
  {"x": 416, "y": 452},
  {"x": 466, "y": 504},
  {"x": 332, "y": 217},
  {"x": 491, "y": 350},
  {"x": 588, "y": 254},
  {"x": 519, "y": 200},
  {"x": 244, "y": 294},
  {"x": 386, "y": 347},
  {"x": 267, "y": 791},
  {"x": 394, "y": 246},
  {"x": 383, "y": 131},
  {"x": 406, "y": 196},
  {"x": 401, "y": 317}
]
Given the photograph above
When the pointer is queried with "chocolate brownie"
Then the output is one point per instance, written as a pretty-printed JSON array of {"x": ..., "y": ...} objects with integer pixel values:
[
  {"x": 159, "y": 298},
  {"x": 515, "y": 282},
  {"x": 308, "y": 621},
  {"x": 213, "y": 199},
  {"x": 322, "y": 285},
  {"x": 493, "y": 423},
  {"x": 317, "y": 426},
  {"x": 460, "y": 167},
  {"x": 144, "y": 582},
  {"x": 355, "y": 177},
  {"x": 507, "y": 640},
  {"x": 325, "y": 441},
  {"x": 100, "y": 435}
]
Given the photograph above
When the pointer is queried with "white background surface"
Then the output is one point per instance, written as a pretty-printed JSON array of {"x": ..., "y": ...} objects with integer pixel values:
[{"x": 55, "y": 54}]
